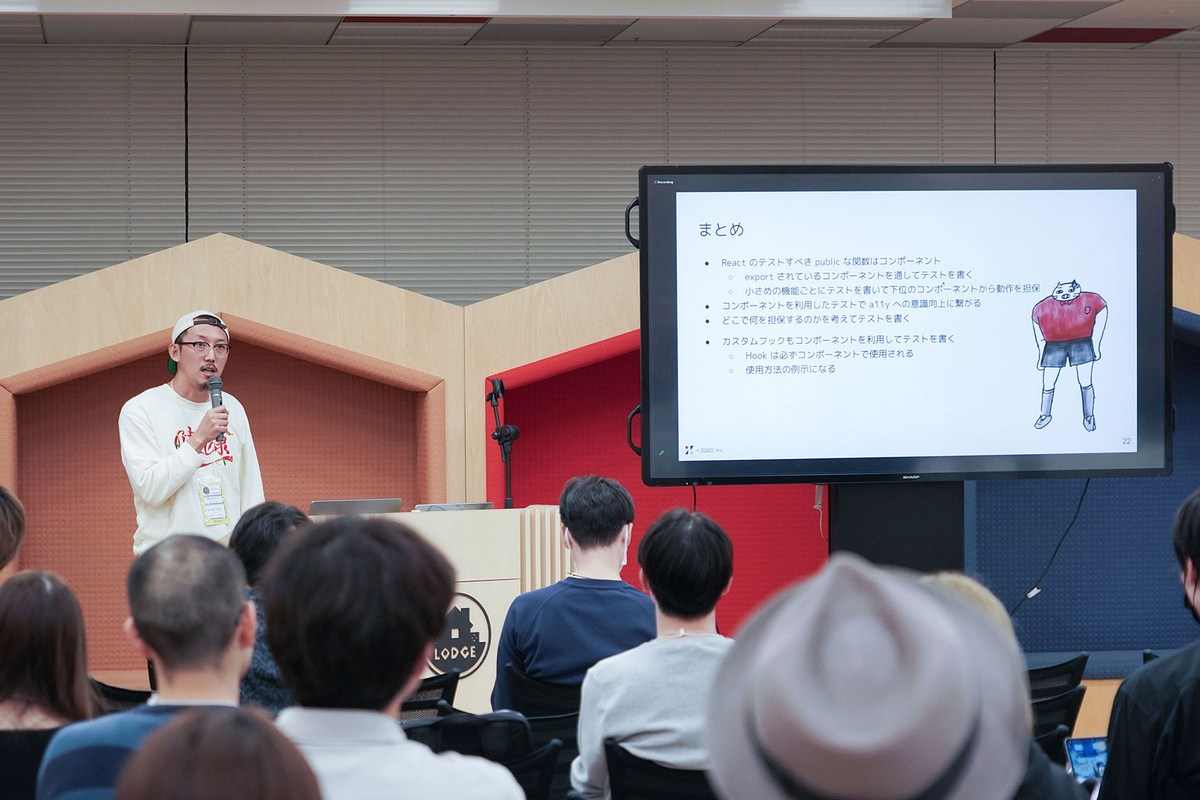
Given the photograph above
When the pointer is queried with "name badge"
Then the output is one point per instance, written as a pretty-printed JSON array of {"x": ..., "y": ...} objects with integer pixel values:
[{"x": 212, "y": 500}]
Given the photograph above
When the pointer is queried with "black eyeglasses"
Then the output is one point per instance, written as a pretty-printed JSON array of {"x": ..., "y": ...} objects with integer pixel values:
[{"x": 220, "y": 350}]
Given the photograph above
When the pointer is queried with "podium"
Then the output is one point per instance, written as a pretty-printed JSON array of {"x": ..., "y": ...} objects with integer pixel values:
[{"x": 497, "y": 554}]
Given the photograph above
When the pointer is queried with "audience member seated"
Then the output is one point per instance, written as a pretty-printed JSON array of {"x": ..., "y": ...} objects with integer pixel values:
[
  {"x": 12, "y": 526},
  {"x": 1154, "y": 729},
  {"x": 861, "y": 684},
  {"x": 651, "y": 699},
  {"x": 43, "y": 674},
  {"x": 1043, "y": 778},
  {"x": 555, "y": 634},
  {"x": 353, "y": 608},
  {"x": 218, "y": 754},
  {"x": 254, "y": 540},
  {"x": 190, "y": 618}
]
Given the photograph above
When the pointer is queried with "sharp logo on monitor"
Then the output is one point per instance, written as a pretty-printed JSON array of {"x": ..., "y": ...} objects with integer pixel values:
[{"x": 905, "y": 323}]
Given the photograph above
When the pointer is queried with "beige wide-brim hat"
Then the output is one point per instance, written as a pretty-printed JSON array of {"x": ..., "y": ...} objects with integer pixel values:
[{"x": 861, "y": 684}]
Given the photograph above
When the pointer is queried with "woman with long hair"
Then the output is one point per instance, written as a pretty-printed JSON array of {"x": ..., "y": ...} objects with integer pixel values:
[
  {"x": 43, "y": 673},
  {"x": 218, "y": 752}
]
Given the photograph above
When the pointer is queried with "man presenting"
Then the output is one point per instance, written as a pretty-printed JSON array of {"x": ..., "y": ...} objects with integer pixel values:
[{"x": 193, "y": 468}]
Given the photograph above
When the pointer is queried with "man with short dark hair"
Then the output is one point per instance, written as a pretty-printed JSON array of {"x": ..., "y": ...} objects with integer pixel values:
[
  {"x": 651, "y": 699},
  {"x": 255, "y": 538},
  {"x": 1154, "y": 728},
  {"x": 12, "y": 526},
  {"x": 193, "y": 468},
  {"x": 190, "y": 618},
  {"x": 353, "y": 608},
  {"x": 556, "y": 633}
]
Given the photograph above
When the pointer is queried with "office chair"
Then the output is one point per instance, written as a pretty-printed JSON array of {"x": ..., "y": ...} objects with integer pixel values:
[
  {"x": 1058, "y": 678},
  {"x": 423, "y": 702},
  {"x": 535, "y": 698},
  {"x": 633, "y": 778}
]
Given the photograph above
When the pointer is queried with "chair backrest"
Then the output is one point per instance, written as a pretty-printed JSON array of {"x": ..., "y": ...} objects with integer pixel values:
[
  {"x": 1057, "y": 678},
  {"x": 422, "y": 704},
  {"x": 564, "y": 728},
  {"x": 1061, "y": 709},
  {"x": 501, "y": 736},
  {"x": 1148, "y": 656},
  {"x": 21, "y": 755},
  {"x": 116, "y": 698},
  {"x": 1052, "y": 742},
  {"x": 633, "y": 778},
  {"x": 535, "y": 698},
  {"x": 535, "y": 772}
]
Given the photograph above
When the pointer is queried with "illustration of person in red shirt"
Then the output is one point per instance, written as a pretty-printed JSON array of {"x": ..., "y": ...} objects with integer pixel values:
[{"x": 1068, "y": 326}]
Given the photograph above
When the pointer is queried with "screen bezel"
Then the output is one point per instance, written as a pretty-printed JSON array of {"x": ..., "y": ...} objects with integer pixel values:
[{"x": 658, "y": 186}]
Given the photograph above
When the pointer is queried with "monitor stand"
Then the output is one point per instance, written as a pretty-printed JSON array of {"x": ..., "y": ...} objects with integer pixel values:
[{"x": 914, "y": 525}]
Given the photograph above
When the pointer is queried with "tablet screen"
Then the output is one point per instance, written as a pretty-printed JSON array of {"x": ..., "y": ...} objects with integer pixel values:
[{"x": 1087, "y": 757}]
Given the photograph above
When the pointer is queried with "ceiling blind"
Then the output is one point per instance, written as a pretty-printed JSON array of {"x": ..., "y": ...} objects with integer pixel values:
[
  {"x": 286, "y": 150},
  {"x": 1102, "y": 107},
  {"x": 462, "y": 173},
  {"x": 91, "y": 160},
  {"x": 898, "y": 107},
  {"x": 455, "y": 172},
  {"x": 595, "y": 118},
  {"x": 735, "y": 107}
]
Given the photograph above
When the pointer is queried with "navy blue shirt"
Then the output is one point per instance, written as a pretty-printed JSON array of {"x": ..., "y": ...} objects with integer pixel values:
[
  {"x": 557, "y": 633},
  {"x": 84, "y": 760}
]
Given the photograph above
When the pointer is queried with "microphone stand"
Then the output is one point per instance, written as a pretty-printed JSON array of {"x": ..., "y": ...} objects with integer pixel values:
[{"x": 504, "y": 436}]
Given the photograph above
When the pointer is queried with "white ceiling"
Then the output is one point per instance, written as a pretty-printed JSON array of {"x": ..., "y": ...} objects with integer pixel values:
[{"x": 1158, "y": 24}]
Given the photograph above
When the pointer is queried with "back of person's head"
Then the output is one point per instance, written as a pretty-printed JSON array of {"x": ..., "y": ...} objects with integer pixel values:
[
  {"x": 351, "y": 605},
  {"x": 687, "y": 560},
  {"x": 594, "y": 510},
  {"x": 860, "y": 683},
  {"x": 43, "y": 652},
  {"x": 12, "y": 526},
  {"x": 227, "y": 753},
  {"x": 259, "y": 532},
  {"x": 186, "y": 597},
  {"x": 982, "y": 598},
  {"x": 974, "y": 593},
  {"x": 1185, "y": 534}
]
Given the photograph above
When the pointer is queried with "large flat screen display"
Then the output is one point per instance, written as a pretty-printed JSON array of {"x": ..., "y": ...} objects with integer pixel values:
[{"x": 834, "y": 324}]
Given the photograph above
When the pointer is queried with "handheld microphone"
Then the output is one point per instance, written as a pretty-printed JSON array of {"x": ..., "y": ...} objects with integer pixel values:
[{"x": 214, "y": 391}]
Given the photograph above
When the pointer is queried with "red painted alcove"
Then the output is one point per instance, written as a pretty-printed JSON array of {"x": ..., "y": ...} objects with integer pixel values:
[{"x": 572, "y": 421}]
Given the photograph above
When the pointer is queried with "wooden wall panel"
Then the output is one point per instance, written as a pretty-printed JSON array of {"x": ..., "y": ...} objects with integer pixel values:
[
  {"x": 114, "y": 307},
  {"x": 340, "y": 442},
  {"x": 537, "y": 322},
  {"x": 1186, "y": 277},
  {"x": 8, "y": 459}
]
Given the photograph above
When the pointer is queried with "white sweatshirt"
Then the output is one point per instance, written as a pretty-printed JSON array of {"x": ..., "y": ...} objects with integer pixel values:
[
  {"x": 653, "y": 700},
  {"x": 169, "y": 478}
]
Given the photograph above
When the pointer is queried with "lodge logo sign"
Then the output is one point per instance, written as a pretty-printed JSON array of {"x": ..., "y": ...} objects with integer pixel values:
[{"x": 464, "y": 642}]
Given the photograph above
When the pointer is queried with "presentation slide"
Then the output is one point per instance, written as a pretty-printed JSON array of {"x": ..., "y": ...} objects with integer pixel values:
[{"x": 817, "y": 324}]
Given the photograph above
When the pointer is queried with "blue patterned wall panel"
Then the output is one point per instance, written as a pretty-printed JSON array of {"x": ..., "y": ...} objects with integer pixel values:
[{"x": 1115, "y": 585}]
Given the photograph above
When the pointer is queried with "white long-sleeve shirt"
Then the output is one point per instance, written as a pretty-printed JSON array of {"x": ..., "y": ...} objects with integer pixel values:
[
  {"x": 364, "y": 755},
  {"x": 168, "y": 476},
  {"x": 653, "y": 701}
]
